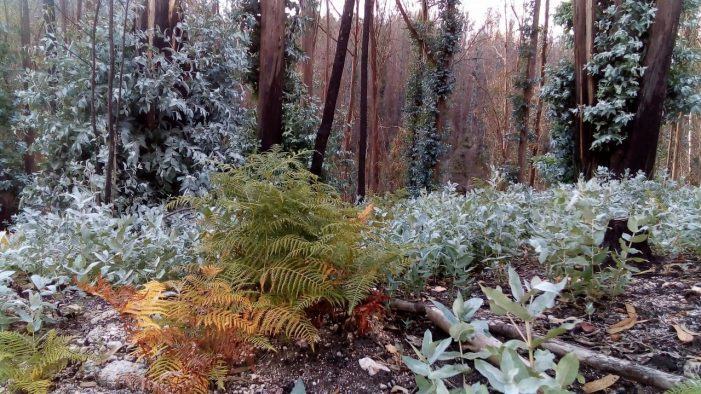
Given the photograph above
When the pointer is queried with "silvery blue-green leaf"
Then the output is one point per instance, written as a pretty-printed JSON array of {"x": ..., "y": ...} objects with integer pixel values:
[
  {"x": 529, "y": 385},
  {"x": 544, "y": 360},
  {"x": 6, "y": 275},
  {"x": 470, "y": 307},
  {"x": 493, "y": 375},
  {"x": 567, "y": 370},
  {"x": 439, "y": 349},
  {"x": 426, "y": 343},
  {"x": 299, "y": 387},
  {"x": 500, "y": 304},
  {"x": 452, "y": 319},
  {"x": 541, "y": 303},
  {"x": 38, "y": 281},
  {"x": 512, "y": 365},
  {"x": 441, "y": 387},
  {"x": 448, "y": 371},
  {"x": 416, "y": 366},
  {"x": 462, "y": 331},
  {"x": 515, "y": 284}
]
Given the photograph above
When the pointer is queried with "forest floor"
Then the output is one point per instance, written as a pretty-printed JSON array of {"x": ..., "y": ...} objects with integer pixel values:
[{"x": 668, "y": 295}]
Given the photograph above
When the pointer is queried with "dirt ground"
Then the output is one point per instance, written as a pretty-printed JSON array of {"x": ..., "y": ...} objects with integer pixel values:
[{"x": 662, "y": 299}]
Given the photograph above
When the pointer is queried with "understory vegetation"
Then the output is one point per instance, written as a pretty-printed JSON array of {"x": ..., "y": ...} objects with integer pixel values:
[{"x": 191, "y": 200}]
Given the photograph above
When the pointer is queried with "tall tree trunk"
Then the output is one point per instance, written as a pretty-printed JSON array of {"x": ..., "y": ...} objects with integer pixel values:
[
  {"x": 309, "y": 44},
  {"x": 375, "y": 150},
  {"x": 527, "y": 76},
  {"x": 111, "y": 132},
  {"x": 93, "y": 78},
  {"x": 639, "y": 150},
  {"x": 79, "y": 11},
  {"x": 322, "y": 135},
  {"x": 348, "y": 128},
  {"x": 585, "y": 92},
  {"x": 25, "y": 42},
  {"x": 539, "y": 105},
  {"x": 327, "y": 54},
  {"x": 270, "y": 82},
  {"x": 363, "y": 138}
]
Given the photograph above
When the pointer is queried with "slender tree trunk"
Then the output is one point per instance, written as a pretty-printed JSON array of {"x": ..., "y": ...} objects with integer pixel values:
[
  {"x": 25, "y": 42},
  {"x": 327, "y": 55},
  {"x": 270, "y": 82},
  {"x": 639, "y": 150},
  {"x": 64, "y": 19},
  {"x": 504, "y": 142},
  {"x": 375, "y": 176},
  {"x": 676, "y": 159},
  {"x": 363, "y": 138},
  {"x": 322, "y": 135},
  {"x": 93, "y": 77},
  {"x": 7, "y": 21},
  {"x": 539, "y": 105},
  {"x": 309, "y": 44},
  {"x": 111, "y": 132},
  {"x": 585, "y": 92},
  {"x": 670, "y": 150},
  {"x": 348, "y": 129},
  {"x": 79, "y": 11},
  {"x": 527, "y": 76},
  {"x": 49, "y": 9}
]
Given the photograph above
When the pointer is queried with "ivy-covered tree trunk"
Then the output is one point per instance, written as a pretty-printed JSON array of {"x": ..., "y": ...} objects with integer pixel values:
[
  {"x": 639, "y": 150},
  {"x": 334, "y": 85},
  {"x": 526, "y": 75},
  {"x": 363, "y": 138},
  {"x": 271, "y": 72}
]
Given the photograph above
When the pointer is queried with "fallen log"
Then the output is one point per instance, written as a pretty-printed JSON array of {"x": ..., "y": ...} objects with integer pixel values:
[{"x": 624, "y": 368}]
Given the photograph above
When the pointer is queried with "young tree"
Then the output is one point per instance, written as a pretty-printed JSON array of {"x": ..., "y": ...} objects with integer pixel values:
[
  {"x": 363, "y": 140},
  {"x": 322, "y": 135},
  {"x": 271, "y": 72}
]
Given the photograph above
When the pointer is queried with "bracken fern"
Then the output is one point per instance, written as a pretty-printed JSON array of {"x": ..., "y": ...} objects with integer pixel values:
[
  {"x": 277, "y": 231},
  {"x": 28, "y": 364}
]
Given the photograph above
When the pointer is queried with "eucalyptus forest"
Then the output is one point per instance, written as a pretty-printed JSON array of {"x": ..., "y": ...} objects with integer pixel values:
[{"x": 350, "y": 196}]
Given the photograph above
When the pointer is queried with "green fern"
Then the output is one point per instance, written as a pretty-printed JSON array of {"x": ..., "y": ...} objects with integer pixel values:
[
  {"x": 28, "y": 364},
  {"x": 276, "y": 230},
  {"x": 691, "y": 386}
]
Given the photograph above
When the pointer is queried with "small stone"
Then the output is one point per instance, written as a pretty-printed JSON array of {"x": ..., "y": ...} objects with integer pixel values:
[
  {"x": 113, "y": 374},
  {"x": 114, "y": 345},
  {"x": 88, "y": 384},
  {"x": 383, "y": 386},
  {"x": 399, "y": 389},
  {"x": 339, "y": 354},
  {"x": 692, "y": 368}
]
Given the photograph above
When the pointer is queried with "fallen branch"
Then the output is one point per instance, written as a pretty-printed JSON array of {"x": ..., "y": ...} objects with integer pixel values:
[{"x": 623, "y": 368}]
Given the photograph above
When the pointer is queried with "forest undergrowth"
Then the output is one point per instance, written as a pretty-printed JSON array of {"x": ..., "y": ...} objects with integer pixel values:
[{"x": 208, "y": 283}]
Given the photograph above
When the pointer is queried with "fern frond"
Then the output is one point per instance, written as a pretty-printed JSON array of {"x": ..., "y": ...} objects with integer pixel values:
[{"x": 691, "y": 386}]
